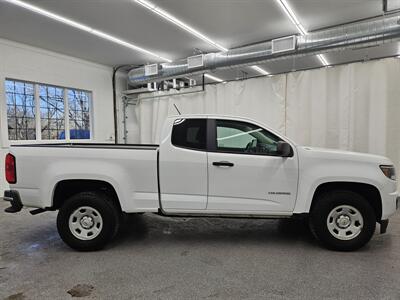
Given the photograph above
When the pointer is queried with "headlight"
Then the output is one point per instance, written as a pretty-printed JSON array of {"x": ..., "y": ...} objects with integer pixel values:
[{"x": 389, "y": 171}]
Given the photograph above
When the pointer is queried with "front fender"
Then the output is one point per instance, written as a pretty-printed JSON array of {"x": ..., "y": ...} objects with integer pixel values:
[{"x": 305, "y": 196}]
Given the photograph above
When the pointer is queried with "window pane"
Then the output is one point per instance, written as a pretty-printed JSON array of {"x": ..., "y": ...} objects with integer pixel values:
[
  {"x": 79, "y": 114},
  {"x": 52, "y": 112},
  {"x": 242, "y": 137},
  {"x": 20, "y": 110},
  {"x": 190, "y": 133}
]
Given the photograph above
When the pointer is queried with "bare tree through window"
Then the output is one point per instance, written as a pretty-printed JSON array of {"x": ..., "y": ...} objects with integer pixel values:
[
  {"x": 21, "y": 108},
  {"x": 79, "y": 115},
  {"x": 20, "y": 97},
  {"x": 52, "y": 116}
]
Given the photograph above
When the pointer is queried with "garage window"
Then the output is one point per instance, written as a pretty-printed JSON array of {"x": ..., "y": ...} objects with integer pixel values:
[
  {"x": 45, "y": 112},
  {"x": 79, "y": 113},
  {"x": 21, "y": 116},
  {"x": 52, "y": 112}
]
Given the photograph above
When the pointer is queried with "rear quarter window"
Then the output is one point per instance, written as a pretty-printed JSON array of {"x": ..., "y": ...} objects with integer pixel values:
[{"x": 190, "y": 133}]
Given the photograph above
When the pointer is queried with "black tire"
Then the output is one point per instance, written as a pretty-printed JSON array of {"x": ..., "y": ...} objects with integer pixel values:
[
  {"x": 101, "y": 203},
  {"x": 325, "y": 204}
]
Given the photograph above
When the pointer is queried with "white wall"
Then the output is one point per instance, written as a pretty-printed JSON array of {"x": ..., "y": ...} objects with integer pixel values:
[
  {"x": 18, "y": 61},
  {"x": 351, "y": 107}
]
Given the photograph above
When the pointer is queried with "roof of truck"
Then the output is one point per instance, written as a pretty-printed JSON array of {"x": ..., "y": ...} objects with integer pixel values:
[
  {"x": 231, "y": 117},
  {"x": 217, "y": 116},
  {"x": 191, "y": 116}
]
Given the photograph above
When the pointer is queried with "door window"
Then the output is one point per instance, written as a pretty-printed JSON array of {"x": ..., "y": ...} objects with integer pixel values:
[
  {"x": 246, "y": 138},
  {"x": 190, "y": 133}
]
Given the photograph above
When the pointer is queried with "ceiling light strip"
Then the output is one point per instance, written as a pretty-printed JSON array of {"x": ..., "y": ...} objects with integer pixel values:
[
  {"x": 323, "y": 60},
  {"x": 170, "y": 18},
  {"x": 213, "y": 78},
  {"x": 292, "y": 16},
  {"x": 84, "y": 27},
  {"x": 300, "y": 28},
  {"x": 167, "y": 16},
  {"x": 260, "y": 70}
]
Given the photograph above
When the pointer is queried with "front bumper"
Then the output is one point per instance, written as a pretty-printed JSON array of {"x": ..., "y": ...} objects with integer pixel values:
[
  {"x": 384, "y": 223},
  {"x": 15, "y": 200}
]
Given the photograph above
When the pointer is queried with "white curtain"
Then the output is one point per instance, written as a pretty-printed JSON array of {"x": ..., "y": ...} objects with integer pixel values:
[
  {"x": 351, "y": 107},
  {"x": 242, "y": 98}
]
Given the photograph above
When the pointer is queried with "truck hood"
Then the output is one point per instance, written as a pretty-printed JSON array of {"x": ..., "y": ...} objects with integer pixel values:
[{"x": 344, "y": 155}]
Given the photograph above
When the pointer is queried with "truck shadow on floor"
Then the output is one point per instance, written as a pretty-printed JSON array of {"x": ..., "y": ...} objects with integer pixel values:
[
  {"x": 165, "y": 231},
  {"x": 157, "y": 229}
]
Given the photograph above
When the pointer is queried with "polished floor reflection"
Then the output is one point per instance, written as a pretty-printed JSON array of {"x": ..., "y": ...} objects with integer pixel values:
[{"x": 183, "y": 258}]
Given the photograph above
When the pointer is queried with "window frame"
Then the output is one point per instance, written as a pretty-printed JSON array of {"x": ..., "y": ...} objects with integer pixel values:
[
  {"x": 38, "y": 123},
  {"x": 212, "y": 139},
  {"x": 191, "y": 148}
]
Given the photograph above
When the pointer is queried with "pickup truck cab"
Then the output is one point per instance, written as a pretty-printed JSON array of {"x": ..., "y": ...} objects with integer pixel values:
[{"x": 205, "y": 165}]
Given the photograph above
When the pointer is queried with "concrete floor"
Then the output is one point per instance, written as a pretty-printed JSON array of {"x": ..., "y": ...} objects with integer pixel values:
[{"x": 157, "y": 257}]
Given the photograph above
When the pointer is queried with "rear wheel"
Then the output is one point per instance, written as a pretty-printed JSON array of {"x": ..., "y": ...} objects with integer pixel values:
[
  {"x": 342, "y": 220},
  {"x": 88, "y": 221}
]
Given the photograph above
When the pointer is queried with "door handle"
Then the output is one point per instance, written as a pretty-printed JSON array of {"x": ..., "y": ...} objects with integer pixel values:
[{"x": 223, "y": 164}]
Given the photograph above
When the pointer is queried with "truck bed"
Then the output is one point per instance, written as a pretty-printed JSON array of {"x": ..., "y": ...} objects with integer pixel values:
[
  {"x": 94, "y": 145},
  {"x": 130, "y": 169}
]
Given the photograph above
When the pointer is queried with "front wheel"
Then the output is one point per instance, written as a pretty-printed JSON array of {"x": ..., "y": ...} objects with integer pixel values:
[
  {"x": 342, "y": 220},
  {"x": 87, "y": 221}
]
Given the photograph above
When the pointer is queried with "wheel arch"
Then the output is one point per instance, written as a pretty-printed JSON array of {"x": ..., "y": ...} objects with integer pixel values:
[
  {"x": 66, "y": 188},
  {"x": 368, "y": 191}
]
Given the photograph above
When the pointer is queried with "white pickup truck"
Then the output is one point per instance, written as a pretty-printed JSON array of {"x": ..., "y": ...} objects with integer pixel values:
[{"x": 206, "y": 165}]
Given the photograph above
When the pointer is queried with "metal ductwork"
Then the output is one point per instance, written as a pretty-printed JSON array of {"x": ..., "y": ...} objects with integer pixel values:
[{"x": 371, "y": 32}]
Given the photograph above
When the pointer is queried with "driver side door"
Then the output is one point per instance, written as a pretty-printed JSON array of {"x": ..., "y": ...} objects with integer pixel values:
[{"x": 245, "y": 173}]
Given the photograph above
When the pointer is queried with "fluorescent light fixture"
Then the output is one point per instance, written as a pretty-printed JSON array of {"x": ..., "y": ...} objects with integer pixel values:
[
  {"x": 167, "y": 16},
  {"x": 213, "y": 78},
  {"x": 323, "y": 60},
  {"x": 290, "y": 13},
  {"x": 84, "y": 27},
  {"x": 300, "y": 28},
  {"x": 170, "y": 18},
  {"x": 260, "y": 70}
]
